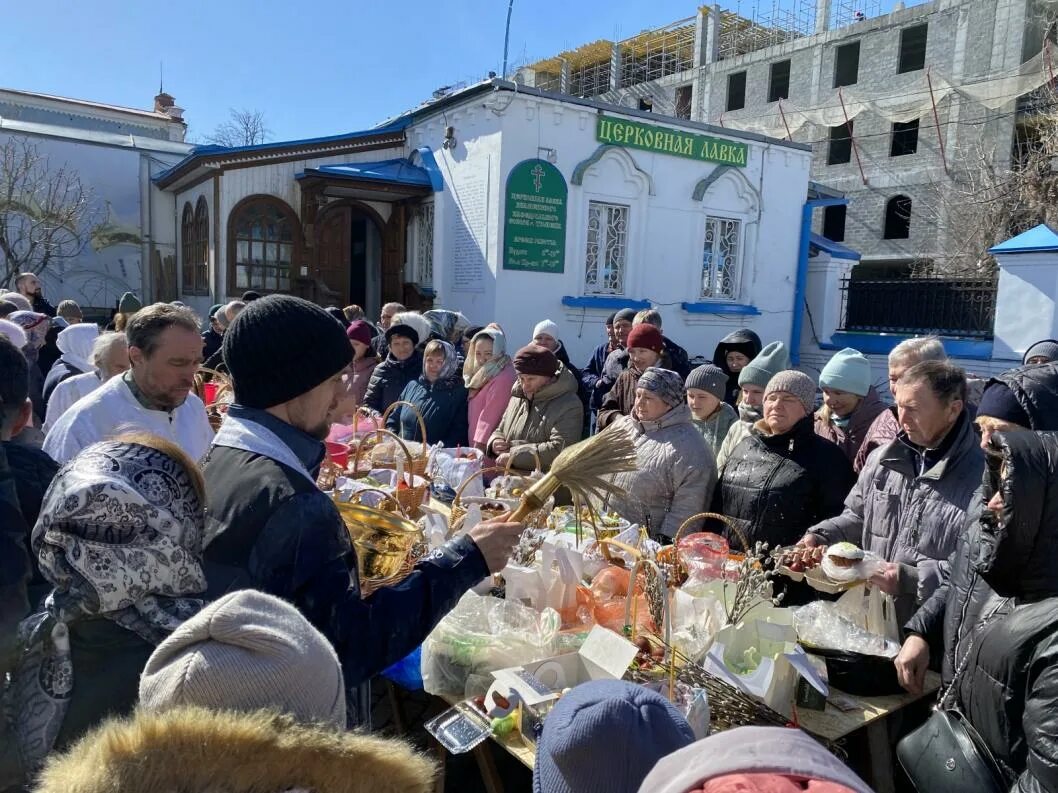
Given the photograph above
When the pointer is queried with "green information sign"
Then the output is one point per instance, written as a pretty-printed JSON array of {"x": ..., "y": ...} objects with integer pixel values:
[
  {"x": 665, "y": 140},
  {"x": 534, "y": 226}
]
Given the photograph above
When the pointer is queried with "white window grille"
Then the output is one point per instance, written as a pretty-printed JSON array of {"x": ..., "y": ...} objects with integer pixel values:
[
  {"x": 607, "y": 253},
  {"x": 424, "y": 244},
  {"x": 721, "y": 263}
]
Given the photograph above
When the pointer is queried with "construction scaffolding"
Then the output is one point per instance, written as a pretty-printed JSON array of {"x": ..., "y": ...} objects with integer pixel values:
[
  {"x": 849, "y": 12},
  {"x": 589, "y": 69},
  {"x": 784, "y": 21},
  {"x": 657, "y": 53}
]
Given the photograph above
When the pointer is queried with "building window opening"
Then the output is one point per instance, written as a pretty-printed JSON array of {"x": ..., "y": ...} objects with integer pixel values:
[
  {"x": 905, "y": 138},
  {"x": 779, "y": 81},
  {"x": 263, "y": 246},
  {"x": 736, "y": 91},
  {"x": 720, "y": 258},
  {"x": 847, "y": 64},
  {"x": 840, "y": 144},
  {"x": 898, "y": 218},
  {"x": 684, "y": 94},
  {"x": 194, "y": 238},
  {"x": 606, "y": 257},
  {"x": 834, "y": 223},
  {"x": 912, "y": 49}
]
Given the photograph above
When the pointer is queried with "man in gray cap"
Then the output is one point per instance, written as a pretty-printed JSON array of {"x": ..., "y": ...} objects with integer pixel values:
[
  {"x": 273, "y": 529},
  {"x": 710, "y": 414}
]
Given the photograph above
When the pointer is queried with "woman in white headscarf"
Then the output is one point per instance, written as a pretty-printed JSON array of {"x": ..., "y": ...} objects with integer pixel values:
[
  {"x": 120, "y": 538},
  {"x": 489, "y": 376},
  {"x": 440, "y": 398},
  {"x": 75, "y": 348}
]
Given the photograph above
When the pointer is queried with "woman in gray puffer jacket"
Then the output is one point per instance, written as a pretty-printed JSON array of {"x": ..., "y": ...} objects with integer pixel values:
[{"x": 675, "y": 472}]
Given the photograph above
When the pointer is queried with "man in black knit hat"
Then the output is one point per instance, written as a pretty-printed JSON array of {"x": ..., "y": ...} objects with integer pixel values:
[{"x": 270, "y": 528}]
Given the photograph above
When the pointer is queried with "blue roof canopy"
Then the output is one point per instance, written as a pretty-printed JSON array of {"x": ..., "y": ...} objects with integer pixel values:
[
  {"x": 1041, "y": 238},
  {"x": 396, "y": 171},
  {"x": 835, "y": 249}
]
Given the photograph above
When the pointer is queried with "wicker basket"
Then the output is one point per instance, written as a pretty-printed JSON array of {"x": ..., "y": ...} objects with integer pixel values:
[
  {"x": 671, "y": 555},
  {"x": 366, "y": 525},
  {"x": 459, "y": 511},
  {"x": 417, "y": 463},
  {"x": 410, "y": 497}
]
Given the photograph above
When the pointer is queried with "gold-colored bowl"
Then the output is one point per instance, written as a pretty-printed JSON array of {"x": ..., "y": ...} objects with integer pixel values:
[{"x": 383, "y": 540}]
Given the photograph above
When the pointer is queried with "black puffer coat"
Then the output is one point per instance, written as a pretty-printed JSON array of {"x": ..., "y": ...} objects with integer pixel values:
[
  {"x": 744, "y": 341},
  {"x": 388, "y": 380},
  {"x": 946, "y": 618},
  {"x": 777, "y": 486},
  {"x": 33, "y": 471},
  {"x": 1009, "y": 687}
]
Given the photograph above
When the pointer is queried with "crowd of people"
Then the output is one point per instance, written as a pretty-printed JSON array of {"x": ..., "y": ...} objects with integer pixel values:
[{"x": 166, "y": 584}]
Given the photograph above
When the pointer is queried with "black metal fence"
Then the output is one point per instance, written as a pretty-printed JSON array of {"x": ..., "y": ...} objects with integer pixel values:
[{"x": 944, "y": 306}]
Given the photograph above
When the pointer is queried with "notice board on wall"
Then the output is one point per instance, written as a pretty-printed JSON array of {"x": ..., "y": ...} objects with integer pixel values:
[{"x": 534, "y": 225}]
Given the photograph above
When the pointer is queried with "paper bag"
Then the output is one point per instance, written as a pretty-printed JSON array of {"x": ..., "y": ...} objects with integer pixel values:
[{"x": 871, "y": 609}]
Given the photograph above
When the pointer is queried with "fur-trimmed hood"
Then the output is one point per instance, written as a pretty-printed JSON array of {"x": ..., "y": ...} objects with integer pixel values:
[{"x": 193, "y": 750}]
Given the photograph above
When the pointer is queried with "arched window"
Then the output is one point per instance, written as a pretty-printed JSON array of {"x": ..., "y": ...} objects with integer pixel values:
[
  {"x": 194, "y": 248},
  {"x": 263, "y": 242},
  {"x": 898, "y": 218}
]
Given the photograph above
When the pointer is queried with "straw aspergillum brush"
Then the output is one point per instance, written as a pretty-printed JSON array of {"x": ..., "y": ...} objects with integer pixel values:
[{"x": 584, "y": 468}]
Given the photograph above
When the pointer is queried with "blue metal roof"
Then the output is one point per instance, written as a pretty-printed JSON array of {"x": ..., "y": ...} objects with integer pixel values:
[
  {"x": 200, "y": 152},
  {"x": 835, "y": 249},
  {"x": 395, "y": 171},
  {"x": 1041, "y": 238}
]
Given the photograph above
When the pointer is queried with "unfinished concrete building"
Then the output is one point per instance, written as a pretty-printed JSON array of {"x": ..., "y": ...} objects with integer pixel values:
[{"x": 893, "y": 105}]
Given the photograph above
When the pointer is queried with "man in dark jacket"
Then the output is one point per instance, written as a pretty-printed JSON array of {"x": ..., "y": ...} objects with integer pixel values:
[
  {"x": 30, "y": 469},
  {"x": 30, "y": 287},
  {"x": 602, "y": 374},
  {"x": 745, "y": 344},
  {"x": 214, "y": 334},
  {"x": 270, "y": 528},
  {"x": 910, "y": 502},
  {"x": 1025, "y": 398}
]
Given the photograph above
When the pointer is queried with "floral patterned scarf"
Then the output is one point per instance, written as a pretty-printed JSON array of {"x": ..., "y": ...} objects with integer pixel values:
[{"x": 120, "y": 537}]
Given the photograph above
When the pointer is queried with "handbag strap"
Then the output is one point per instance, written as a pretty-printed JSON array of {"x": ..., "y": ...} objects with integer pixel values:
[{"x": 941, "y": 702}]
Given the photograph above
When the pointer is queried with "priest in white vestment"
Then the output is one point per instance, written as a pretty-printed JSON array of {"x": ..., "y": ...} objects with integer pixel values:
[{"x": 165, "y": 351}]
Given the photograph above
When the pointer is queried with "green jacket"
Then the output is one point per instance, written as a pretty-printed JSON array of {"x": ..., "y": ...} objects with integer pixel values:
[
  {"x": 714, "y": 429},
  {"x": 547, "y": 423}
]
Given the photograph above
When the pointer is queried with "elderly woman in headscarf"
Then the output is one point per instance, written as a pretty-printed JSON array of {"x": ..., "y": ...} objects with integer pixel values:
[
  {"x": 675, "y": 471},
  {"x": 447, "y": 326},
  {"x": 120, "y": 539},
  {"x": 438, "y": 395},
  {"x": 75, "y": 355},
  {"x": 35, "y": 326},
  {"x": 489, "y": 375}
]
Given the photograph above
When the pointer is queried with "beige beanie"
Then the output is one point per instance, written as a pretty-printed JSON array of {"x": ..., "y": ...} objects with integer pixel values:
[{"x": 245, "y": 652}]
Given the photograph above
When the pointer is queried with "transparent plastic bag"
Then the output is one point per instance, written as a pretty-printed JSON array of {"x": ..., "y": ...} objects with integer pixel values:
[
  {"x": 862, "y": 571},
  {"x": 483, "y": 634},
  {"x": 825, "y": 625}
]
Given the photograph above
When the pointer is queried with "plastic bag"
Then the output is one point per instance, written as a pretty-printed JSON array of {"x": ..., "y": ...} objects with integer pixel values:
[
  {"x": 692, "y": 702},
  {"x": 861, "y": 571},
  {"x": 407, "y": 672},
  {"x": 610, "y": 588},
  {"x": 695, "y": 623},
  {"x": 455, "y": 466},
  {"x": 483, "y": 634},
  {"x": 823, "y": 624}
]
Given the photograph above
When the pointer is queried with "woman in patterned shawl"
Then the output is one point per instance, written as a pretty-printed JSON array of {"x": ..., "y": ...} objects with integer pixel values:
[{"x": 120, "y": 538}]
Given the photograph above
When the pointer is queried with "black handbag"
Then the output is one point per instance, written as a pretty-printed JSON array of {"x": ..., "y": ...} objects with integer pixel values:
[{"x": 946, "y": 755}]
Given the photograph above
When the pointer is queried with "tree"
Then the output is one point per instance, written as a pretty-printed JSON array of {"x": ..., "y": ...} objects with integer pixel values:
[
  {"x": 243, "y": 128},
  {"x": 45, "y": 211}
]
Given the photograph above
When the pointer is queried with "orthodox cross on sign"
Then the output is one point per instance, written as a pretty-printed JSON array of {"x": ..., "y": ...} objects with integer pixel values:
[{"x": 538, "y": 178}]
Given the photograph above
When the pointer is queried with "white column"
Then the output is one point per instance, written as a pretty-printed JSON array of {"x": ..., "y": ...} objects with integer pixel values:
[
  {"x": 1026, "y": 302},
  {"x": 823, "y": 296}
]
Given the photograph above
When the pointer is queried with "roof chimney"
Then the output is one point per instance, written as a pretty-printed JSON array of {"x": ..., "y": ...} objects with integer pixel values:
[{"x": 163, "y": 102}]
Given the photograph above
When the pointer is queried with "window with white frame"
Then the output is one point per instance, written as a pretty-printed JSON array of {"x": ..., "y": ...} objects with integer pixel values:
[
  {"x": 606, "y": 257},
  {"x": 721, "y": 258},
  {"x": 424, "y": 217}
]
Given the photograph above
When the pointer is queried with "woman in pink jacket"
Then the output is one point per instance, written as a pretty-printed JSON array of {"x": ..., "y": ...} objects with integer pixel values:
[{"x": 489, "y": 377}]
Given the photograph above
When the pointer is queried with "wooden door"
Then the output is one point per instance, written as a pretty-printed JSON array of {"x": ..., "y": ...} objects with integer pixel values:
[{"x": 333, "y": 249}]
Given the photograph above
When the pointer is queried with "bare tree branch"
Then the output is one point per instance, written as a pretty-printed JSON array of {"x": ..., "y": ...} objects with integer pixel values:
[
  {"x": 45, "y": 212},
  {"x": 243, "y": 128}
]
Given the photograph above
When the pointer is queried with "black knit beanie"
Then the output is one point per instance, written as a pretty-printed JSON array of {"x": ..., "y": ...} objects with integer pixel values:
[{"x": 280, "y": 347}]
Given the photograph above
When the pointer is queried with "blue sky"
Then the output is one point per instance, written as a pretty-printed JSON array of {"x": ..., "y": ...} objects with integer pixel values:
[{"x": 313, "y": 68}]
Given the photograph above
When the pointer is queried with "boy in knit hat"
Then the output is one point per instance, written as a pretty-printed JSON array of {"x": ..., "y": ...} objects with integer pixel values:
[
  {"x": 706, "y": 387},
  {"x": 604, "y": 737},
  {"x": 850, "y": 401},
  {"x": 273, "y": 529},
  {"x": 752, "y": 380},
  {"x": 246, "y": 695}
]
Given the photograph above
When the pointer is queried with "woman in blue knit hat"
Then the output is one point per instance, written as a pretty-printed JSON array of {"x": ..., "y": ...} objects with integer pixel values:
[{"x": 850, "y": 402}]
